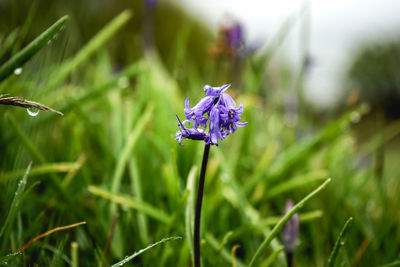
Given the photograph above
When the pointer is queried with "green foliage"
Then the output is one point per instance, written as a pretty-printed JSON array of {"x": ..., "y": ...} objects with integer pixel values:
[
  {"x": 112, "y": 161},
  {"x": 30, "y": 50}
]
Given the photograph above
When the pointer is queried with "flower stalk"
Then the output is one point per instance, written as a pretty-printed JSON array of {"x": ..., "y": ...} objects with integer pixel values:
[
  {"x": 213, "y": 118},
  {"x": 199, "y": 202}
]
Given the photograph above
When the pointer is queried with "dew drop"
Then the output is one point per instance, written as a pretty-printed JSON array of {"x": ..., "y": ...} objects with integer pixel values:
[
  {"x": 33, "y": 112},
  {"x": 123, "y": 82},
  {"x": 18, "y": 71}
]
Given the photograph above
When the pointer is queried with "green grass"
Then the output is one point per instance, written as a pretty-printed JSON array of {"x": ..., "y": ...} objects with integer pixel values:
[{"x": 112, "y": 162}]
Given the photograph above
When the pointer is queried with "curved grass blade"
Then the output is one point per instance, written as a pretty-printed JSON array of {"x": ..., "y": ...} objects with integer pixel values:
[
  {"x": 338, "y": 243},
  {"x": 31, "y": 49},
  {"x": 127, "y": 259},
  {"x": 282, "y": 222},
  {"x": 297, "y": 182}
]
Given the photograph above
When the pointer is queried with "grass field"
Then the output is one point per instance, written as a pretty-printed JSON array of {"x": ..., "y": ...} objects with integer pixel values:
[{"x": 111, "y": 161}]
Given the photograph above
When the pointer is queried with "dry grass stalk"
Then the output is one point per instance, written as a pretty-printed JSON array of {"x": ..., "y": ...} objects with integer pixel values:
[
  {"x": 20, "y": 102},
  {"x": 48, "y": 233}
]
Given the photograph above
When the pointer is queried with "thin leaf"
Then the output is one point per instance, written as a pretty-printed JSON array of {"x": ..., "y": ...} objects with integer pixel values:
[
  {"x": 31, "y": 49},
  {"x": 16, "y": 201},
  {"x": 339, "y": 242},
  {"x": 131, "y": 257},
  {"x": 189, "y": 216},
  {"x": 282, "y": 222},
  {"x": 271, "y": 257},
  {"x": 40, "y": 170},
  {"x": 128, "y": 147},
  {"x": 91, "y": 47},
  {"x": 132, "y": 203},
  {"x": 297, "y": 182}
]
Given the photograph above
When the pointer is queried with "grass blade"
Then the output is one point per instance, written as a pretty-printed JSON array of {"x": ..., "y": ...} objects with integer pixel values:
[
  {"x": 42, "y": 169},
  {"x": 131, "y": 257},
  {"x": 304, "y": 217},
  {"x": 189, "y": 216},
  {"x": 128, "y": 147},
  {"x": 141, "y": 206},
  {"x": 271, "y": 257},
  {"x": 136, "y": 185},
  {"x": 16, "y": 201},
  {"x": 297, "y": 182},
  {"x": 91, "y": 47},
  {"x": 338, "y": 243},
  {"x": 282, "y": 222},
  {"x": 38, "y": 156},
  {"x": 31, "y": 49}
]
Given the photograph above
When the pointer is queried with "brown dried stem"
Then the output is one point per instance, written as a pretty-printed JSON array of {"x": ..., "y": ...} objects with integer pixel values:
[
  {"x": 20, "y": 102},
  {"x": 30, "y": 242}
]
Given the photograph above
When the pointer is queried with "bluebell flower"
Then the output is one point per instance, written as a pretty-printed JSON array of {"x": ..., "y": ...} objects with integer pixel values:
[
  {"x": 187, "y": 133},
  {"x": 230, "y": 115},
  {"x": 218, "y": 109}
]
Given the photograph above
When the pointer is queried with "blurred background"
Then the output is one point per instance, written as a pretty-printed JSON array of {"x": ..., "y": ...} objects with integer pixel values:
[{"x": 320, "y": 82}]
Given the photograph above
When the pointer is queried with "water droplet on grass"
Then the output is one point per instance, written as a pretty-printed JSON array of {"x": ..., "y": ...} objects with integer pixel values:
[
  {"x": 18, "y": 71},
  {"x": 33, "y": 112}
]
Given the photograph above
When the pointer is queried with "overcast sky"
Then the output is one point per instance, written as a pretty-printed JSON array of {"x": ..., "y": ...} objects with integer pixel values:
[{"x": 337, "y": 28}]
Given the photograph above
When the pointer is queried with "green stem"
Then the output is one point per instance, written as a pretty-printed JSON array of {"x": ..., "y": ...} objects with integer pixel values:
[
  {"x": 335, "y": 250},
  {"x": 199, "y": 202}
]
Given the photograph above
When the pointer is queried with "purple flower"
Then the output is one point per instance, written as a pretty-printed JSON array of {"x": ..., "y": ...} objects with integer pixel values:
[
  {"x": 218, "y": 109},
  {"x": 234, "y": 36},
  {"x": 186, "y": 133}
]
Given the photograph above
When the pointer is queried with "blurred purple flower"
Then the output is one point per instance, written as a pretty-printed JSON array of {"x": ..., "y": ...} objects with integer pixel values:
[
  {"x": 222, "y": 112},
  {"x": 234, "y": 35},
  {"x": 151, "y": 4}
]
